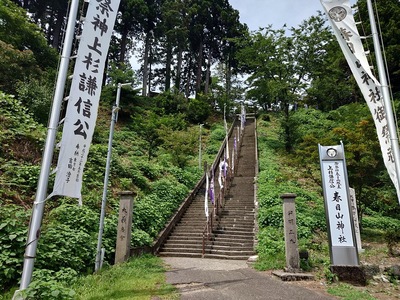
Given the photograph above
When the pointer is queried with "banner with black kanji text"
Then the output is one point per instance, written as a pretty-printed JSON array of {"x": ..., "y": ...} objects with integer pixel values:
[
  {"x": 344, "y": 27},
  {"x": 84, "y": 97}
]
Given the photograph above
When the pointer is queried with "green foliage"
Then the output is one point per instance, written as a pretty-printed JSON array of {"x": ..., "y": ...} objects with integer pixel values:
[
  {"x": 47, "y": 284},
  {"x": 276, "y": 178},
  {"x": 120, "y": 73},
  {"x": 148, "y": 124},
  {"x": 353, "y": 125},
  {"x": 198, "y": 111},
  {"x": 62, "y": 245},
  {"x": 180, "y": 144},
  {"x": 270, "y": 248},
  {"x": 152, "y": 211},
  {"x": 24, "y": 52},
  {"x": 82, "y": 222},
  {"x": 188, "y": 176},
  {"x": 74, "y": 216},
  {"x": 140, "y": 238},
  {"x": 168, "y": 103},
  {"x": 37, "y": 96},
  {"x": 392, "y": 238},
  {"x": 15, "y": 66},
  {"x": 218, "y": 133},
  {"x": 380, "y": 222},
  {"x": 23, "y": 176},
  {"x": 13, "y": 231}
]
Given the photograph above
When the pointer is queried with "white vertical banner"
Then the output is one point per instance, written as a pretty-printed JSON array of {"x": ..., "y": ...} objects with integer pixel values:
[
  {"x": 206, "y": 195},
  {"x": 341, "y": 18},
  {"x": 84, "y": 96},
  {"x": 233, "y": 157}
]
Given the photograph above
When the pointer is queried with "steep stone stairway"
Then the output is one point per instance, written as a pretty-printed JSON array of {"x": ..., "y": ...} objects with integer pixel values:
[{"x": 233, "y": 233}]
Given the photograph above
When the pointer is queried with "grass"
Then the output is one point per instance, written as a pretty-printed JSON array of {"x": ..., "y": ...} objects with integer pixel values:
[
  {"x": 348, "y": 292},
  {"x": 139, "y": 278}
]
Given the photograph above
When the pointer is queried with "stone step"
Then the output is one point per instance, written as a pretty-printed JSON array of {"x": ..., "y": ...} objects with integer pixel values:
[
  {"x": 233, "y": 243},
  {"x": 220, "y": 256},
  {"x": 232, "y": 253},
  {"x": 188, "y": 235},
  {"x": 184, "y": 239},
  {"x": 237, "y": 228},
  {"x": 233, "y": 237},
  {"x": 230, "y": 248},
  {"x": 237, "y": 211},
  {"x": 229, "y": 226},
  {"x": 192, "y": 222},
  {"x": 179, "y": 231},
  {"x": 179, "y": 254},
  {"x": 237, "y": 219},
  {"x": 184, "y": 250}
]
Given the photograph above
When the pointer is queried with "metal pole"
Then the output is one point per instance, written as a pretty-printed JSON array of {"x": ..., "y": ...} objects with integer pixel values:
[
  {"x": 114, "y": 117},
  {"x": 385, "y": 93},
  {"x": 38, "y": 207},
  {"x": 200, "y": 147}
]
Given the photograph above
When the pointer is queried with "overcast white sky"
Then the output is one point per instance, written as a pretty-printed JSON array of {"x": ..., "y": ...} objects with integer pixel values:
[{"x": 261, "y": 13}]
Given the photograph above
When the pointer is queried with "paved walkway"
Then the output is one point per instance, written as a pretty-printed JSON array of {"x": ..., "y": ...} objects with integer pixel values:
[{"x": 217, "y": 279}]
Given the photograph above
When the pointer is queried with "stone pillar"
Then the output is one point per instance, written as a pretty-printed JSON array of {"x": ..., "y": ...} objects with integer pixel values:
[
  {"x": 290, "y": 227},
  {"x": 124, "y": 233},
  {"x": 353, "y": 206}
]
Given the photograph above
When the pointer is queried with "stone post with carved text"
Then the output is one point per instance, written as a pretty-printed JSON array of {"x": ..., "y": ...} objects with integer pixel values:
[
  {"x": 290, "y": 228},
  {"x": 124, "y": 233}
]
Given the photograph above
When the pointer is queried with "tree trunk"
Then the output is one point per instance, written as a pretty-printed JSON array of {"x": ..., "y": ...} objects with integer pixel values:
[
  {"x": 199, "y": 67},
  {"x": 168, "y": 68},
  {"x": 49, "y": 30},
  {"x": 208, "y": 73},
  {"x": 57, "y": 29},
  {"x": 228, "y": 79},
  {"x": 149, "y": 75},
  {"x": 145, "y": 64},
  {"x": 178, "y": 70},
  {"x": 188, "y": 78},
  {"x": 124, "y": 42}
]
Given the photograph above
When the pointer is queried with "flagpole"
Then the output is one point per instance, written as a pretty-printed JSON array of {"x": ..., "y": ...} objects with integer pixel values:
[
  {"x": 386, "y": 95},
  {"x": 114, "y": 117},
  {"x": 38, "y": 207}
]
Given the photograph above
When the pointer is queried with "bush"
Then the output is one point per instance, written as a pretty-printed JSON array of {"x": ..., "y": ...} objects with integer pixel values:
[
  {"x": 218, "y": 134},
  {"x": 198, "y": 111},
  {"x": 271, "y": 248},
  {"x": 49, "y": 285},
  {"x": 61, "y": 245},
  {"x": 14, "y": 222},
  {"x": 37, "y": 96},
  {"x": 392, "y": 238}
]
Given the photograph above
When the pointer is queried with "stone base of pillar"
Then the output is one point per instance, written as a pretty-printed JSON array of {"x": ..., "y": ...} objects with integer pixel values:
[
  {"x": 293, "y": 276},
  {"x": 350, "y": 274}
]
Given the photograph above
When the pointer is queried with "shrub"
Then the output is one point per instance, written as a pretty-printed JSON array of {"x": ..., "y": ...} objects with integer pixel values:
[
  {"x": 49, "y": 285},
  {"x": 61, "y": 245},
  {"x": 14, "y": 222}
]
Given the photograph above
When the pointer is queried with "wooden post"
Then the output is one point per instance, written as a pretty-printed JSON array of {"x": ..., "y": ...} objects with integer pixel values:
[{"x": 124, "y": 235}]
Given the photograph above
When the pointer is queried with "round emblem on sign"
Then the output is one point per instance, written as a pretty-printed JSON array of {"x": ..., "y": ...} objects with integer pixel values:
[
  {"x": 338, "y": 13},
  {"x": 331, "y": 152}
]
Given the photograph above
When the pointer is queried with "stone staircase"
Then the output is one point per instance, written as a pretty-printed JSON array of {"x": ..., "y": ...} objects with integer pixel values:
[{"x": 233, "y": 236}]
